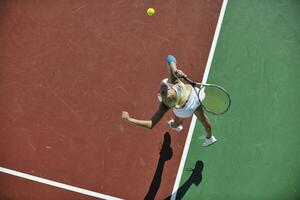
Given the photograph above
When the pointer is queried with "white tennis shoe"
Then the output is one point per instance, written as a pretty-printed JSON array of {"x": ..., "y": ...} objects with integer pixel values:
[
  {"x": 177, "y": 129},
  {"x": 209, "y": 141}
]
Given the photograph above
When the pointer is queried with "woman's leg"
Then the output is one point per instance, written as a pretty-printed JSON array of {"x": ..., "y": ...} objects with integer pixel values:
[
  {"x": 176, "y": 124},
  {"x": 210, "y": 139},
  {"x": 177, "y": 121},
  {"x": 204, "y": 121}
]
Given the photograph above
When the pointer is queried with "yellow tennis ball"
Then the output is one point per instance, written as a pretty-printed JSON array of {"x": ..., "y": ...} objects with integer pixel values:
[{"x": 150, "y": 11}]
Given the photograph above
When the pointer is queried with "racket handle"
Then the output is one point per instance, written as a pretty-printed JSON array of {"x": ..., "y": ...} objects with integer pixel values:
[
  {"x": 187, "y": 79},
  {"x": 190, "y": 81}
]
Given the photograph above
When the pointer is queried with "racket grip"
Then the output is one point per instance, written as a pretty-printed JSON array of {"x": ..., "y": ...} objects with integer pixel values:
[{"x": 189, "y": 81}]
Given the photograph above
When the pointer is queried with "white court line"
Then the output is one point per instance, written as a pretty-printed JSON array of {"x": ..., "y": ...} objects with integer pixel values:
[
  {"x": 193, "y": 123},
  {"x": 57, "y": 184}
]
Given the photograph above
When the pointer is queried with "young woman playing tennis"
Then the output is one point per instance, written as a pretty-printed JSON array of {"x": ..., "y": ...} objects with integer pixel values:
[{"x": 182, "y": 98}]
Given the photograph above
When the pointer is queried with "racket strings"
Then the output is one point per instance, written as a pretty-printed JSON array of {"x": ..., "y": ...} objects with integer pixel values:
[
  {"x": 215, "y": 98},
  {"x": 216, "y": 101}
]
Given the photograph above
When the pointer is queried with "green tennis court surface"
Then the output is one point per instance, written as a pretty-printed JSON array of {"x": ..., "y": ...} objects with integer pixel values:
[{"x": 257, "y": 60}]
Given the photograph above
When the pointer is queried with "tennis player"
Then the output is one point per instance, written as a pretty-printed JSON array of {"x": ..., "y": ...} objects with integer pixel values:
[{"x": 182, "y": 98}]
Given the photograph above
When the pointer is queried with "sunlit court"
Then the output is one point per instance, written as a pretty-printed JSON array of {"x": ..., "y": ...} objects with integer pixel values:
[{"x": 154, "y": 100}]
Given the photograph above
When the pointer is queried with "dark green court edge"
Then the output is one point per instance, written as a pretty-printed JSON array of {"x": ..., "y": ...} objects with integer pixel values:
[{"x": 257, "y": 60}]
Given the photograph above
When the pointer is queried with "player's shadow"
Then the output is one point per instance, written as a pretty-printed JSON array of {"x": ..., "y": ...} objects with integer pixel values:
[
  {"x": 165, "y": 154},
  {"x": 195, "y": 178}
]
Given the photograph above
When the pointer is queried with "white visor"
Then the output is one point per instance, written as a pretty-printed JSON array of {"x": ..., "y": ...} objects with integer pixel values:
[{"x": 159, "y": 97}]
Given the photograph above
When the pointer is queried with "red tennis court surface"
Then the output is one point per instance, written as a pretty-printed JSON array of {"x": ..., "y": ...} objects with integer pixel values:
[{"x": 68, "y": 69}]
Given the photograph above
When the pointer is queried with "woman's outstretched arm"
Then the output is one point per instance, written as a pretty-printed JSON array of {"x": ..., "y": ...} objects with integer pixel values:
[
  {"x": 172, "y": 68},
  {"x": 147, "y": 123},
  {"x": 174, "y": 73}
]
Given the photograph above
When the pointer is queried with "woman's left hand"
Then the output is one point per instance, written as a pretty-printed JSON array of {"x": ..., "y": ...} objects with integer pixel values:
[{"x": 125, "y": 115}]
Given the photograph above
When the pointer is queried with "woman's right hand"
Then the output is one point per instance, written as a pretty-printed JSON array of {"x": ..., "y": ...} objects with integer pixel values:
[
  {"x": 125, "y": 115},
  {"x": 180, "y": 74}
]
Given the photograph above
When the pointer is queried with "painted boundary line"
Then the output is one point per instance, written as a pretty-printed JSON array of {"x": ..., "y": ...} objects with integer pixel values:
[
  {"x": 57, "y": 184},
  {"x": 193, "y": 123}
]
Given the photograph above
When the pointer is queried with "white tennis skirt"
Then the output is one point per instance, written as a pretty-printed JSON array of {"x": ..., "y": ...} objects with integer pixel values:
[{"x": 191, "y": 105}]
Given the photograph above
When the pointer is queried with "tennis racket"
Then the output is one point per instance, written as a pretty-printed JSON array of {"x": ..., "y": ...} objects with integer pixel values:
[{"x": 213, "y": 98}]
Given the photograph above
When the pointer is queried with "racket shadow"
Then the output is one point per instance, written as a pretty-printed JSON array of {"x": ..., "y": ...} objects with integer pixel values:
[{"x": 195, "y": 178}]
